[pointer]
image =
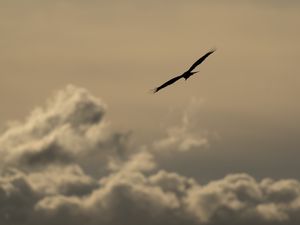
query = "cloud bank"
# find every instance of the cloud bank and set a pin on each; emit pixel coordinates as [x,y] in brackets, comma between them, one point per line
[63,165]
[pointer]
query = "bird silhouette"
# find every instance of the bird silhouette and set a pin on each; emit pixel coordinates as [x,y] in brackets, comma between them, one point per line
[186,74]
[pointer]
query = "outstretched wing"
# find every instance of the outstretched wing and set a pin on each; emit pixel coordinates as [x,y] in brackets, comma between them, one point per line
[169,82]
[199,61]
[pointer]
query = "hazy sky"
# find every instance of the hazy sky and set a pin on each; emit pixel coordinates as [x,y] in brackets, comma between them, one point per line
[239,114]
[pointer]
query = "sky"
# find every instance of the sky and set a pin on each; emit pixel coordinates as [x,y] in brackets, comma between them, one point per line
[83,139]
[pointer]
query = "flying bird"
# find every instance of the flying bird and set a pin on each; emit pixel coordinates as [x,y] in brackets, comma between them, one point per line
[186,74]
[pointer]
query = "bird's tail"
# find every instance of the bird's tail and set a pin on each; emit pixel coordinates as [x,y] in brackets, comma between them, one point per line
[153,91]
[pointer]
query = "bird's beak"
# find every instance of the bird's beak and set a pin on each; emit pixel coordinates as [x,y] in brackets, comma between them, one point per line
[195,72]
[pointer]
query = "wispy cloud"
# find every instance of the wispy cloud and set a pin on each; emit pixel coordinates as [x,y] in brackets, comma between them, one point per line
[183,137]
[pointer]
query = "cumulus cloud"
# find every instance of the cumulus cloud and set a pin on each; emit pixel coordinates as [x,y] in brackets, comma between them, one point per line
[44,177]
[161,198]
[240,199]
[70,128]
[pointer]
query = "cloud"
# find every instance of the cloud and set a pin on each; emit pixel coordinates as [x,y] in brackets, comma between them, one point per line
[183,137]
[45,177]
[70,128]
[126,195]
[240,199]
[168,198]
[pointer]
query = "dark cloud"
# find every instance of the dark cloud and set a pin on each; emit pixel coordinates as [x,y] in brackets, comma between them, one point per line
[46,177]
[50,153]
[17,198]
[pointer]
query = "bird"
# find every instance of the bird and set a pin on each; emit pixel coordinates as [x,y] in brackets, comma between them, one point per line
[186,74]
